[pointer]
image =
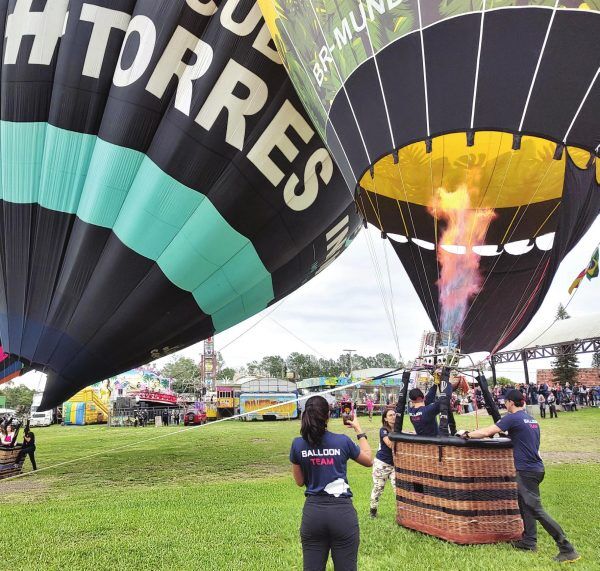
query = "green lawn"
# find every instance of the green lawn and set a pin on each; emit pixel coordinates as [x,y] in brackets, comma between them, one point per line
[221,497]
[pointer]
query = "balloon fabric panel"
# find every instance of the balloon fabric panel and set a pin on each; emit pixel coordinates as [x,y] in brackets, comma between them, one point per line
[143,205]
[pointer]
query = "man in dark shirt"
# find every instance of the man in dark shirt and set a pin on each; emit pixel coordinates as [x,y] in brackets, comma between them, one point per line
[524,431]
[423,410]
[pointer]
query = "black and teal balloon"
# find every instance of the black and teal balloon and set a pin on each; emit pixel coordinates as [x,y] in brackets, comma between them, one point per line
[160,182]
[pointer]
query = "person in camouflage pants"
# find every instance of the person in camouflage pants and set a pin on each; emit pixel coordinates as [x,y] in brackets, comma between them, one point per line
[383,466]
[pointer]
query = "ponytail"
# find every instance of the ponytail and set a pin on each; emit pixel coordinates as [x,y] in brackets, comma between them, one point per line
[314,420]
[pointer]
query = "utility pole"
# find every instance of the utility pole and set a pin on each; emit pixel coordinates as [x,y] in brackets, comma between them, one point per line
[350,351]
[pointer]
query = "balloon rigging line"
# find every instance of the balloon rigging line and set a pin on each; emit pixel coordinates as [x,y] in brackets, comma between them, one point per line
[392,315]
[341,80]
[379,280]
[424,68]
[385,105]
[264,316]
[581,105]
[517,257]
[382,290]
[475,85]
[298,338]
[159,436]
[519,311]
[537,67]
[392,304]
[501,253]
[433,305]
[557,318]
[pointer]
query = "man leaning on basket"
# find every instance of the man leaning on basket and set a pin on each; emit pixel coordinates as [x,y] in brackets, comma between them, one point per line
[524,431]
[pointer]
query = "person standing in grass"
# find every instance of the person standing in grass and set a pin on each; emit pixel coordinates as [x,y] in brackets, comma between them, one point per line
[551,400]
[319,459]
[28,448]
[524,431]
[542,402]
[383,466]
[370,407]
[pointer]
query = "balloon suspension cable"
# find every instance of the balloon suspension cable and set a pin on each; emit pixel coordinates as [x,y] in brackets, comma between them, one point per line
[189,428]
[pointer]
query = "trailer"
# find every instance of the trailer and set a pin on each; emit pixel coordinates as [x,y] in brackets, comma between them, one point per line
[268,399]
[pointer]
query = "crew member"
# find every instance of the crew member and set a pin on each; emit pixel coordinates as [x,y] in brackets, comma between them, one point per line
[423,411]
[383,466]
[28,448]
[524,431]
[319,458]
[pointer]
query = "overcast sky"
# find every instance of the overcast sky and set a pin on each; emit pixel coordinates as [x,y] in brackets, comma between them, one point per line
[342,308]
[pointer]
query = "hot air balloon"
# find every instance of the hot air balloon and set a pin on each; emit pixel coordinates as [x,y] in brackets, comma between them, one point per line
[472,130]
[160,182]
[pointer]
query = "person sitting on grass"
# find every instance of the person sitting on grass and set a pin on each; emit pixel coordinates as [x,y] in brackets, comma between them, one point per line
[524,431]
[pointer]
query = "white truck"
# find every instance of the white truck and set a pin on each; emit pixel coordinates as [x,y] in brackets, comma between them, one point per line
[39,418]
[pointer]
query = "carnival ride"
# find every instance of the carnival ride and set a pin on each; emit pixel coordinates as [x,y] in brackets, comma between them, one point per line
[85,407]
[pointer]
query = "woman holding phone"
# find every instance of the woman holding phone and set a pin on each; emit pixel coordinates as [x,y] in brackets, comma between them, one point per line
[319,459]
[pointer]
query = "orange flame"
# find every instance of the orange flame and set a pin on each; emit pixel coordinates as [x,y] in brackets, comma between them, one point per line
[460,278]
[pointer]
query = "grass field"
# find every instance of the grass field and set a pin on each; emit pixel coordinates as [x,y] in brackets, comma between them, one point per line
[221,497]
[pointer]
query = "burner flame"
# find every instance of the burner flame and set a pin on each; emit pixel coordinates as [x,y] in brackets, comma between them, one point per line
[460,277]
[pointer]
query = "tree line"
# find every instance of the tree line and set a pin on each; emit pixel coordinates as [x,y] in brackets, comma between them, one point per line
[186,373]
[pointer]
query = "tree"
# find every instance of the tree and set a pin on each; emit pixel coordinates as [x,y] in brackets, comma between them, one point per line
[226,373]
[504,381]
[561,313]
[18,397]
[596,360]
[566,366]
[304,366]
[273,366]
[184,373]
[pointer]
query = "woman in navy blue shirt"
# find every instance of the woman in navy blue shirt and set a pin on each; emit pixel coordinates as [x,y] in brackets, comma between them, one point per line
[319,459]
[383,466]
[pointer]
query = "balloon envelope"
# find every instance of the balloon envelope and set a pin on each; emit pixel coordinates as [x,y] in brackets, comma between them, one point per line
[500,100]
[160,182]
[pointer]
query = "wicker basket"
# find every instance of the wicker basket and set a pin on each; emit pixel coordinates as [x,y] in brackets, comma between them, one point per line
[10,463]
[461,491]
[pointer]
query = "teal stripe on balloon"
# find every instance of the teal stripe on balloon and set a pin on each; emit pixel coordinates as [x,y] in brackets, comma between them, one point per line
[151,213]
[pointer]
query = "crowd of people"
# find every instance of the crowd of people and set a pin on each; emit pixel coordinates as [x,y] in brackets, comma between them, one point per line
[548,398]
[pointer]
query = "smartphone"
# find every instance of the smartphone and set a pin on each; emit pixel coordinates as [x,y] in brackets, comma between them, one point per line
[347,415]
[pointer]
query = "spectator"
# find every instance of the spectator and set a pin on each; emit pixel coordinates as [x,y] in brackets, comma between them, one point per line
[7,438]
[551,401]
[542,403]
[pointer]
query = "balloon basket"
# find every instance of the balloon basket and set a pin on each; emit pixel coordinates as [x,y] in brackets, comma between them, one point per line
[458,490]
[10,463]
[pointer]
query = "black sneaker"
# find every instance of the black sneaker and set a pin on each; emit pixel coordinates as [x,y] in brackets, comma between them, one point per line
[567,557]
[373,512]
[522,545]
